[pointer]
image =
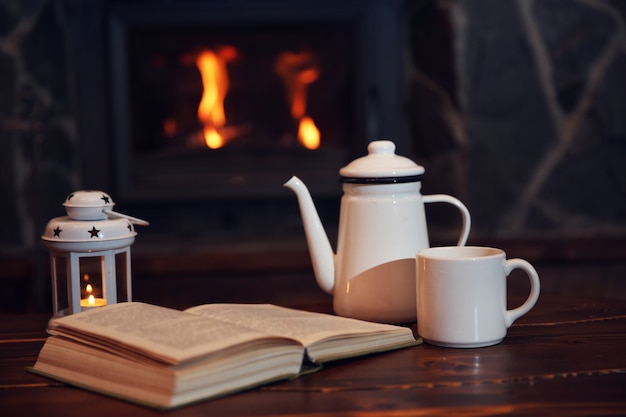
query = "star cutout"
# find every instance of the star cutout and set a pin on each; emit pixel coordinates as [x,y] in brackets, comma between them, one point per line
[57,232]
[130,227]
[106,199]
[94,232]
[69,197]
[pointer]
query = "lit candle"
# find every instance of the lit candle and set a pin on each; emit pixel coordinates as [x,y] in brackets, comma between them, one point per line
[91,301]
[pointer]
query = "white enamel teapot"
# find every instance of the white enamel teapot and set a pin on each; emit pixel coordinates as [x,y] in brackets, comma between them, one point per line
[382,225]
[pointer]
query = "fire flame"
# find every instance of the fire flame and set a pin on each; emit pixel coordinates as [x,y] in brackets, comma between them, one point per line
[215,83]
[298,70]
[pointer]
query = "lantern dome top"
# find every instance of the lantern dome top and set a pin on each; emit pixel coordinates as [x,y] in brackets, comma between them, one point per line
[90,225]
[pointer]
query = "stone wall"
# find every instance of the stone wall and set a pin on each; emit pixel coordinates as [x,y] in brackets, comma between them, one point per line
[543,92]
[39,158]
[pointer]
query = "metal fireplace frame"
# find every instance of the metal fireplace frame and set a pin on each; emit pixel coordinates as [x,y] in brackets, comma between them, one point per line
[379,97]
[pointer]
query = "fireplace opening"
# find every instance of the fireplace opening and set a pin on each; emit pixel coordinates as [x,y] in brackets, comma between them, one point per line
[194,113]
[233,110]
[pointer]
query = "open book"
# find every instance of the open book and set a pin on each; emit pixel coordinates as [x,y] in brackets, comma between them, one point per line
[166,358]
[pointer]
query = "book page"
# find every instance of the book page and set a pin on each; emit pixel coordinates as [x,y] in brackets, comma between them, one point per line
[165,334]
[306,327]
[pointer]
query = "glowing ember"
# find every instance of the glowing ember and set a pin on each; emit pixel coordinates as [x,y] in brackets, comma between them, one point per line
[169,126]
[213,139]
[215,83]
[308,133]
[298,70]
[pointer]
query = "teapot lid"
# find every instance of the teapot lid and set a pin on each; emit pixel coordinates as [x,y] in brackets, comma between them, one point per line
[381,166]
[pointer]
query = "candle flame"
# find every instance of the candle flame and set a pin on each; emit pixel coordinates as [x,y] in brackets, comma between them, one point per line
[91,300]
[89,288]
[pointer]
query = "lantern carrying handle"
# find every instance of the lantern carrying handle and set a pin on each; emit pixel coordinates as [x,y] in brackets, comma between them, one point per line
[132,219]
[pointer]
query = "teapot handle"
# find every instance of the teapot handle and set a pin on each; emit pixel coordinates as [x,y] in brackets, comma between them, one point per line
[444,198]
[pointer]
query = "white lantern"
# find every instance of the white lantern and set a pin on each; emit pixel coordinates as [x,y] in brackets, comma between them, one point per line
[89,253]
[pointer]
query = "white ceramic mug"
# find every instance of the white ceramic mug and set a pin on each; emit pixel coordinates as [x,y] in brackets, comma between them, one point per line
[462,295]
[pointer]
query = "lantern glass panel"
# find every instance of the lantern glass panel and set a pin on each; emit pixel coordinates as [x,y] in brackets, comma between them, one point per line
[91,275]
[121,276]
[59,263]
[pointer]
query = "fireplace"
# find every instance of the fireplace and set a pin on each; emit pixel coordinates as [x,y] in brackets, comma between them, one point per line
[212,105]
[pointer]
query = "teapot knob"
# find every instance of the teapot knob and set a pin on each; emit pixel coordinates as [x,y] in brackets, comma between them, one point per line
[381,147]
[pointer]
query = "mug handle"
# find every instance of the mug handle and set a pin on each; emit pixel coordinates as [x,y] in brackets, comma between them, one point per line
[516,313]
[443,198]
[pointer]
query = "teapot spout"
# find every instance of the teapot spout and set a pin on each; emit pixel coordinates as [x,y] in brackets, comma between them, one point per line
[322,255]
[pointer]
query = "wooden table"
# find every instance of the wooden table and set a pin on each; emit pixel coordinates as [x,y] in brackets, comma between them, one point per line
[566,357]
